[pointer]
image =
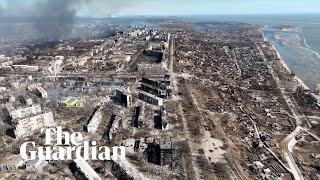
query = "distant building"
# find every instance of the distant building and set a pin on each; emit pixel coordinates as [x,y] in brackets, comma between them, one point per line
[25,68]
[59,58]
[42,93]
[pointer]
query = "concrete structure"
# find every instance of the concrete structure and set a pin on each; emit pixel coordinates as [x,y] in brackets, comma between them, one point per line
[55,67]
[150,98]
[42,93]
[166,151]
[156,88]
[124,97]
[59,58]
[151,68]
[26,126]
[87,170]
[27,100]
[11,163]
[95,120]
[25,68]
[24,111]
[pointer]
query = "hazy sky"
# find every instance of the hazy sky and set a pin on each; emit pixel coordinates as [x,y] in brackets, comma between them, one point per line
[185,7]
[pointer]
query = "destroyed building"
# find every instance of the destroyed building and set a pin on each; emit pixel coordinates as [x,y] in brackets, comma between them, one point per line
[95,120]
[42,93]
[124,97]
[160,119]
[157,88]
[26,120]
[150,98]
[27,126]
[160,151]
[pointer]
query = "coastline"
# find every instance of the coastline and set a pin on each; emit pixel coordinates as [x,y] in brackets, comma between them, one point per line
[284,64]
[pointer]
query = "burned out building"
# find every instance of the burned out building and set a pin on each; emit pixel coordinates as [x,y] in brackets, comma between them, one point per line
[160,151]
[157,88]
[124,97]
[160,120]
[150,98]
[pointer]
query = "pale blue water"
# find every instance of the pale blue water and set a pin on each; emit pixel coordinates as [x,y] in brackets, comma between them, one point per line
[304,59]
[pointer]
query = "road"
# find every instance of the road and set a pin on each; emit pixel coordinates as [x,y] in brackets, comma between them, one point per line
[288,142]
[180,109]
[287,148]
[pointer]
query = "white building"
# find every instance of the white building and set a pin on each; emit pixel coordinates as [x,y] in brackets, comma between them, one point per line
[25,68]
[3,89]
[27,126]
[42,93]
[59,58]
[24,111]
[95,121]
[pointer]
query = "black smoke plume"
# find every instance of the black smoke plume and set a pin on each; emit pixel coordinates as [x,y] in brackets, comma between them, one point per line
[55,18]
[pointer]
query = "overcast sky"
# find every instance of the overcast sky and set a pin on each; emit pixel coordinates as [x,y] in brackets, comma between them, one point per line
[180,7]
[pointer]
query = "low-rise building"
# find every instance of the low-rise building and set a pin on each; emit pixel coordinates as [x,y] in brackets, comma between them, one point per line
[42,93]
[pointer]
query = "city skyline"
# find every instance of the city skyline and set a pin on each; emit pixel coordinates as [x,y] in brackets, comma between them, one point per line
[106,8]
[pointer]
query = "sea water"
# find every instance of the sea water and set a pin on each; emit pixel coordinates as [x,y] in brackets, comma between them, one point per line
[299,47]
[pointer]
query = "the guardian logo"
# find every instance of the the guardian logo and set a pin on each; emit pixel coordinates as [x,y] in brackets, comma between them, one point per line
[68,147]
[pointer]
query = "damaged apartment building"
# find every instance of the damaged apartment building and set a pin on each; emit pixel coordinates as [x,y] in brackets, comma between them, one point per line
[124,97]
[26,120]
[160,151]
[154,91]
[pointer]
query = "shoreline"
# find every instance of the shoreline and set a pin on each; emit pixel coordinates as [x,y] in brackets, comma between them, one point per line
[284,64]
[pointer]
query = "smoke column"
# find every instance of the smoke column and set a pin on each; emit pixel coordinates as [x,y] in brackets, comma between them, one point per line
[54,19]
